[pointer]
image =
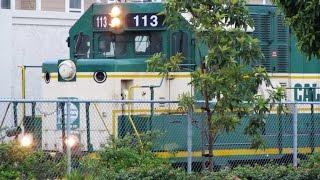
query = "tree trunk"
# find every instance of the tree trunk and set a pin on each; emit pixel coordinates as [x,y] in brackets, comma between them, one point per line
[210,129]
[209,115]
[210,143]
[203,144]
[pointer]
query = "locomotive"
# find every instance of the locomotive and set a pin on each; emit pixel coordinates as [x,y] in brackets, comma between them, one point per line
[109,46]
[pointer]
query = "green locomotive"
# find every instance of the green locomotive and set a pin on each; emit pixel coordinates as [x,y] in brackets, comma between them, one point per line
[109,45]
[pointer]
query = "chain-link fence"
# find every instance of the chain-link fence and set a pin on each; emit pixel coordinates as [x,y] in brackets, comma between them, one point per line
[64,131]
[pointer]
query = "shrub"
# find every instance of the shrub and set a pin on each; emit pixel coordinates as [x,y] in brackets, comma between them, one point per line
[124,159]
[43,165]
[12,164]
[307,170]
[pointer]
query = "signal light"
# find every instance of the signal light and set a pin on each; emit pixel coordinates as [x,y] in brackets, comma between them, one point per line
[115,22]
[115,11]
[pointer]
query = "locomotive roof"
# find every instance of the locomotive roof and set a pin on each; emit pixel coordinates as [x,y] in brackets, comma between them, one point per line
[85,22]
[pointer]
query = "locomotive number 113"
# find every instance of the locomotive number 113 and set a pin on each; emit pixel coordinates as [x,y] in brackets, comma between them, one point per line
[101,21]
[146,20]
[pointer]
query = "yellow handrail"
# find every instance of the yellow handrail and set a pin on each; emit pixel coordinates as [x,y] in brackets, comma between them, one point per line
[129,115]
[129,108]
[100,115]
[23,88]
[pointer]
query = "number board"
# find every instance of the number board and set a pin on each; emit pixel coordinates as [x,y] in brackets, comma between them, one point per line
[101,22]
[144,20]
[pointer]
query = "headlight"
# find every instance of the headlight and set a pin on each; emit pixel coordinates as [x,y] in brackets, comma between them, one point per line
[115,22]
[67,70]
[72,140]
[26,140]
[115,11]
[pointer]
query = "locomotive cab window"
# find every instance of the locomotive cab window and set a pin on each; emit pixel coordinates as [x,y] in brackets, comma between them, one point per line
[180,43]
[111,45]
[147,44]
[142,45]
[81,46]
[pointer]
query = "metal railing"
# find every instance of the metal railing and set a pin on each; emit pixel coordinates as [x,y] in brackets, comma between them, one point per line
[76,128]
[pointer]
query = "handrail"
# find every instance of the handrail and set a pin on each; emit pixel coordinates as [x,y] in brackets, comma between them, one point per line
[129,106]
[100,115]
[130,118]
[23,88]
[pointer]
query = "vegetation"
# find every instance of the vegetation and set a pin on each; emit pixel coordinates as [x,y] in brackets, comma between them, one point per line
[12,157]
[17,161]
[126,161]
[303,17]
[223,74]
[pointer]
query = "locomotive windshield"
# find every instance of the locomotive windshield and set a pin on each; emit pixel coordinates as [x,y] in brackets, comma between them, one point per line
[111,45]
[82,45]
[118,45]
[147,44]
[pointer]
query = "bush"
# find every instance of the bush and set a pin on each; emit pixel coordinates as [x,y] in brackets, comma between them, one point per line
[17,161]
[12,164]
[307,170]
[124,159]
[45,165]
[161,172]
[310,169]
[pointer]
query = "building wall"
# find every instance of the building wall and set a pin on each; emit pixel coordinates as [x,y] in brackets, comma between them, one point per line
[29,38]
[52,5]
[59,5]
[18,4]
[5,55]
[49,5]
[87,4]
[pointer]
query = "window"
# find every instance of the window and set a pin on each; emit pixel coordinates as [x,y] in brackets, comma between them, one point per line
[180,43]
[81,46]
[147,44]
[75,5]
[142,45]
[111,45]
[5,4]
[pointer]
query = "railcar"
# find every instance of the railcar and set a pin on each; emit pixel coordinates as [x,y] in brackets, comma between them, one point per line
[109,45]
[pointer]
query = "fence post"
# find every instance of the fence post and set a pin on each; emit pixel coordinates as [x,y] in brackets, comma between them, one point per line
[189,139]
[15,113]
[89,145]
[68,139]
[295,135]
[63,126]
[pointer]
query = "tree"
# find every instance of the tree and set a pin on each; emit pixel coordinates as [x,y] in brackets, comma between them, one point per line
[223,75]
[304,18]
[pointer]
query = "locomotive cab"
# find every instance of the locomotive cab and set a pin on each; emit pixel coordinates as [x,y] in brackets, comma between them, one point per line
[116,38]
[109,46]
